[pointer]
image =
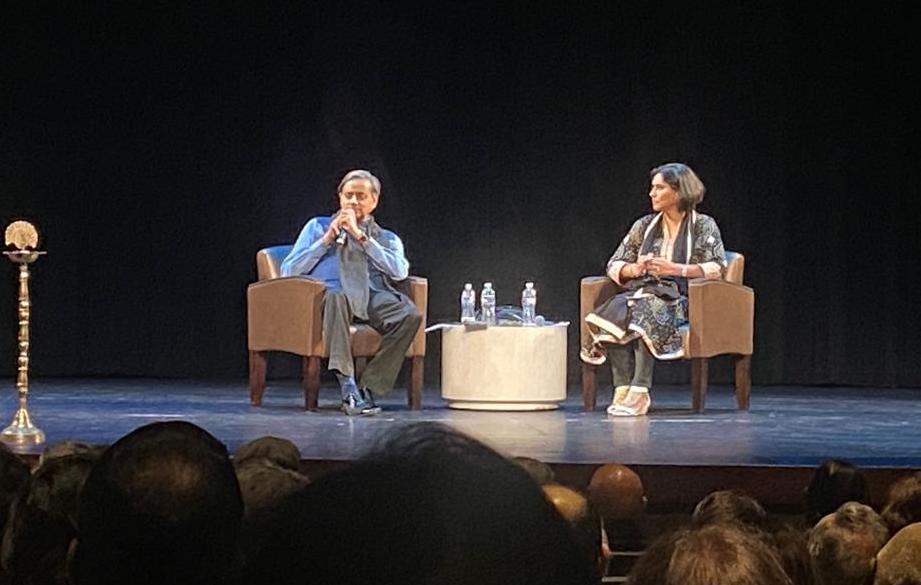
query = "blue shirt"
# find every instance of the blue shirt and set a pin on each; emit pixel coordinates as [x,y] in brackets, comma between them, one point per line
[311,257]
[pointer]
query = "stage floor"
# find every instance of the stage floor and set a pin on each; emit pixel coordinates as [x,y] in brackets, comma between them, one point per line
[786,426]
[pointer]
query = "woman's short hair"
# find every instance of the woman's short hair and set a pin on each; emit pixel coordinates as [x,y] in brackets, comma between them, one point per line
[683,180]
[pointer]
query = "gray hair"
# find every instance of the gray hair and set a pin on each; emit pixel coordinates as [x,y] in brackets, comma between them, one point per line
[681,178]
[360,174]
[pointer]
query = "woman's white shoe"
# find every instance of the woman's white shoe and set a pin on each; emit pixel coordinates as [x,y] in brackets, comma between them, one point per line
[620,393]
[636,403]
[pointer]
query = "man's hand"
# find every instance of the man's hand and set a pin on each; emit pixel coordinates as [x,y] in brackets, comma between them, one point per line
[349,222]
[344,220]
[331,232]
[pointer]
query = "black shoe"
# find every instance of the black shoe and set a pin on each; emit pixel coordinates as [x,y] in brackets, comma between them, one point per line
[355,404]
[369,397]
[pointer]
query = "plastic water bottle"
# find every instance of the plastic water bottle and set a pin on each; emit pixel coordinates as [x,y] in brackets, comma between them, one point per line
[528,304]
[488,303]
[468,304]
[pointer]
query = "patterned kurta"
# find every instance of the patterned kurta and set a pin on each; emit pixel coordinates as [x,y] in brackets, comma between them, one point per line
[651,308]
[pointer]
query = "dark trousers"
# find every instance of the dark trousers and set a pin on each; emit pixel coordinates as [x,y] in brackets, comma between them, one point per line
[396,318]
[631,364]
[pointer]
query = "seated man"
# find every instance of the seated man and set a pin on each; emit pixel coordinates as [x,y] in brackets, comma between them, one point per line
[359,261]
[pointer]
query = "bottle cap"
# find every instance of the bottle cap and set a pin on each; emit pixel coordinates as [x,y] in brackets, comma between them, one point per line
[487,285]
[468,286]
[529,285]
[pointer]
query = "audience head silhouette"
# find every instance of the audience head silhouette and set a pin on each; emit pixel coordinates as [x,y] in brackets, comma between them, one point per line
[43,521]
[834,483]
[64,448]
[705,555]
[161,506]
[903,503]
[538,470]
[585,524]
[281,452]
[899,562]
[792,547]
[617,492]
[731,507]
[14,480]
[427,505]
[843,545]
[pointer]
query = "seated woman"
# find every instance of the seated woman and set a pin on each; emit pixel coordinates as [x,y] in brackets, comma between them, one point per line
[652,265]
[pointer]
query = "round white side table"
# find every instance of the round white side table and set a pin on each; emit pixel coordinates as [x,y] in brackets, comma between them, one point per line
[504,367]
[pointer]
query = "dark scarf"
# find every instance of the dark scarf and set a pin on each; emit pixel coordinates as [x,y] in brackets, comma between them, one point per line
[680,255]
[353,269]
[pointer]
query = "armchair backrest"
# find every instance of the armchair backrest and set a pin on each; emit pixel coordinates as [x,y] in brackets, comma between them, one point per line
[735,267]
[268,261]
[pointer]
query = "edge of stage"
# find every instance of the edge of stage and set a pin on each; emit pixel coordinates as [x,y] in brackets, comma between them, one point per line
[769,450]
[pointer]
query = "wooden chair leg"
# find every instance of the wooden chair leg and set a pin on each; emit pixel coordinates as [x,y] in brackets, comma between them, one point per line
[589,388]
[743,381]
[311,366]
[415,385]
[698,383]
[256,377]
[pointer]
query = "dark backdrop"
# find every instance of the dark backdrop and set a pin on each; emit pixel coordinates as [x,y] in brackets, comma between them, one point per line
[157,149]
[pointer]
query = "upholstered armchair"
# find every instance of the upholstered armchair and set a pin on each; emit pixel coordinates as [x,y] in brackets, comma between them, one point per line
[720,321]
[285,314]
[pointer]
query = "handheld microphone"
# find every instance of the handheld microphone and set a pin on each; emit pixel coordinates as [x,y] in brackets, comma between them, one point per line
[340,239]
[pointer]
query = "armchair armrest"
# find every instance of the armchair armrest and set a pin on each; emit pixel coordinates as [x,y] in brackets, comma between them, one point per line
[285,314]
[594,290]
[721,318]
[419,293]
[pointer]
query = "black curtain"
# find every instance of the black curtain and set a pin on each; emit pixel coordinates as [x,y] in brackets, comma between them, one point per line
[158,148]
